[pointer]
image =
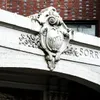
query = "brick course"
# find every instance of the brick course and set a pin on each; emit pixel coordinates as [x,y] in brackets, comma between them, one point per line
[68,9]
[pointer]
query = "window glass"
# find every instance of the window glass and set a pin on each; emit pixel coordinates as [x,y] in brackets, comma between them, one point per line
[86,29]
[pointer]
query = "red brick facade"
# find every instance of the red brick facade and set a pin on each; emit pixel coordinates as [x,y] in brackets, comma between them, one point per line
[68,9]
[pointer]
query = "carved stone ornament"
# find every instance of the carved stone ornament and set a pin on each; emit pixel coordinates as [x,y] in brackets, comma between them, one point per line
[54,35]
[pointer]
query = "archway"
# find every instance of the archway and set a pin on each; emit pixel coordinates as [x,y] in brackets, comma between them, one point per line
[29,84]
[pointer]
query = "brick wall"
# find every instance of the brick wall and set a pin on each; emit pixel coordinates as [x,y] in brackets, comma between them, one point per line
[68,9]
[98,14]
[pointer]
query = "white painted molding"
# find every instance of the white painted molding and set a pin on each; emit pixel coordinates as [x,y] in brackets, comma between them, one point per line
[26,22]
[86,39]
[18,20]
[84,63]
[9,38]
[18,59]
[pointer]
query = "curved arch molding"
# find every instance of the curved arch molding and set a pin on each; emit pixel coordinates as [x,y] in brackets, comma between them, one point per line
[22,45]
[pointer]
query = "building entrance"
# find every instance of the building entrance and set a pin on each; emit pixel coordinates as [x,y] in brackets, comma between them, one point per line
[20,94]
[29,84]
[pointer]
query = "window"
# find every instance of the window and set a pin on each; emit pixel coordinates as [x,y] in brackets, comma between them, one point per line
[25,0]
[86,27]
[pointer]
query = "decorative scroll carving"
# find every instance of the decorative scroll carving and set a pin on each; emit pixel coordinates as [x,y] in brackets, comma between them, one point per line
[79,51]
[71,51]
[29,40]
[54,35]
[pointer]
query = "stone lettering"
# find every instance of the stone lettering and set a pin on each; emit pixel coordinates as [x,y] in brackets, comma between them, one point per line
[82,52]
[96,54]
[86,52]
[91,54]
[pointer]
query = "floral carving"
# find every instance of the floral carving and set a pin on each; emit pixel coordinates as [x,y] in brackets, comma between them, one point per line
[71,51]
[29,40]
